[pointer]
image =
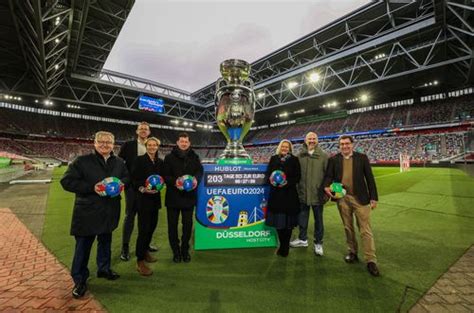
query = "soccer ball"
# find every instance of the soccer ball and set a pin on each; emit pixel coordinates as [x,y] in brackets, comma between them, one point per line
[154,182]
[338,190]
[186,183]
[278,178]
[110,187]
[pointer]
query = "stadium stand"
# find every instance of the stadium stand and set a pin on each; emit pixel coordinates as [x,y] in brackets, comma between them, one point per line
[64,138]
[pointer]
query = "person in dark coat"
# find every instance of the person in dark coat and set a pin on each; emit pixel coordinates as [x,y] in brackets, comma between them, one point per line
[148,202]
[353,170]
[181,161]
[283,201]
[129,152]
[94,215]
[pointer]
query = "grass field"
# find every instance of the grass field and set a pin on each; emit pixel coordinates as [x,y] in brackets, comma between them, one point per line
[424,223]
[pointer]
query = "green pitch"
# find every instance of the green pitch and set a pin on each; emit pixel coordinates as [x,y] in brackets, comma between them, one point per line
[423,224]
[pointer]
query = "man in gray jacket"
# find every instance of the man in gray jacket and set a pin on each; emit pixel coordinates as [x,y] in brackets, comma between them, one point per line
[313,161]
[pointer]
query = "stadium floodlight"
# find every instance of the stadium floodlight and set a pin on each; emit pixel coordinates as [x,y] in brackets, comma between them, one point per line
[291,84]
[185,123]
[261,94]
[364,97]
[435,82]
[314,77]
[284,114]
[36,101]
[56,40]
[191,124]
[56,66]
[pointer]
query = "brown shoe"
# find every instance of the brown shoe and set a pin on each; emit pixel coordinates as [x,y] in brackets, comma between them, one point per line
[373,269]
[149,258]
[143,269]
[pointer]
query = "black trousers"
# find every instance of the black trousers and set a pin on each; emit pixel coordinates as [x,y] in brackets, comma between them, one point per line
[187,222]
[130,212]
[79,270]
[147,221]
[284,236]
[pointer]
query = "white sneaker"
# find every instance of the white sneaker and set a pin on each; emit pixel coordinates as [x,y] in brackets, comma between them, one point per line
[298,243]
[318,249]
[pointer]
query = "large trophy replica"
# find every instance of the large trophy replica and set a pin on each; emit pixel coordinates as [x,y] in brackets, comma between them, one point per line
[235,109]
[232,196]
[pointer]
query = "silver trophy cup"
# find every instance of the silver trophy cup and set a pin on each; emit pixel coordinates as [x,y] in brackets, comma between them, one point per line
[235,106]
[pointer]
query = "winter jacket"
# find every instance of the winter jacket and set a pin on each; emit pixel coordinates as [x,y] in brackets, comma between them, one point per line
[93,214]
[142,168]
[178,163]
[284,199]
[313,168]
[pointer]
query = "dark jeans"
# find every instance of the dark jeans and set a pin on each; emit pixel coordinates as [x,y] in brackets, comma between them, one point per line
[284,236]
[147,221]
[303,218]
[130,212]
[186,220]
[79,270]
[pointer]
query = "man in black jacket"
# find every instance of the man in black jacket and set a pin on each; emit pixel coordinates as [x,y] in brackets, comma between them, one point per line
[353,170]
[93,214]
[181,161]
[129,151]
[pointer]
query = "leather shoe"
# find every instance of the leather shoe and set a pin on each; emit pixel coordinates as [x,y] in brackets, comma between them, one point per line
[186,257]
[373,269]
[109,275]
[143,269]
[79,290]
[152,248]
[351,258]
[177,257]
[281,253]
[149,258]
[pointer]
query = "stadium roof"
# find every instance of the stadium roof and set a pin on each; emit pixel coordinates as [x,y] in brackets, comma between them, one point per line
[386,49]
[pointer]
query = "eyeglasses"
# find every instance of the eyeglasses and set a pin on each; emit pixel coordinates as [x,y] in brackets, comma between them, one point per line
[101,142]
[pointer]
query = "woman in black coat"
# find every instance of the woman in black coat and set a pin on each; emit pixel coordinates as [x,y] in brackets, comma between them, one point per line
[148,202]
[283,202]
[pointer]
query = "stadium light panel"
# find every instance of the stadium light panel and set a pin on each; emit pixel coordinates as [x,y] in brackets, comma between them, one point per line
[260,95]
[291,84]
[364,97]
[314,77]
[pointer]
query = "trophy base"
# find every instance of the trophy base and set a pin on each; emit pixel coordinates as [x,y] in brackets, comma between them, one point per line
[235,161]
[234,154]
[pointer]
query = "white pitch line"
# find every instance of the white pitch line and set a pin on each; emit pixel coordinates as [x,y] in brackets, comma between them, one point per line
[393,174]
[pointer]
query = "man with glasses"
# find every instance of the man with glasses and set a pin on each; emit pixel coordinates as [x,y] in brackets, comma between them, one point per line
[129,151]
[94,215]
[353,170]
